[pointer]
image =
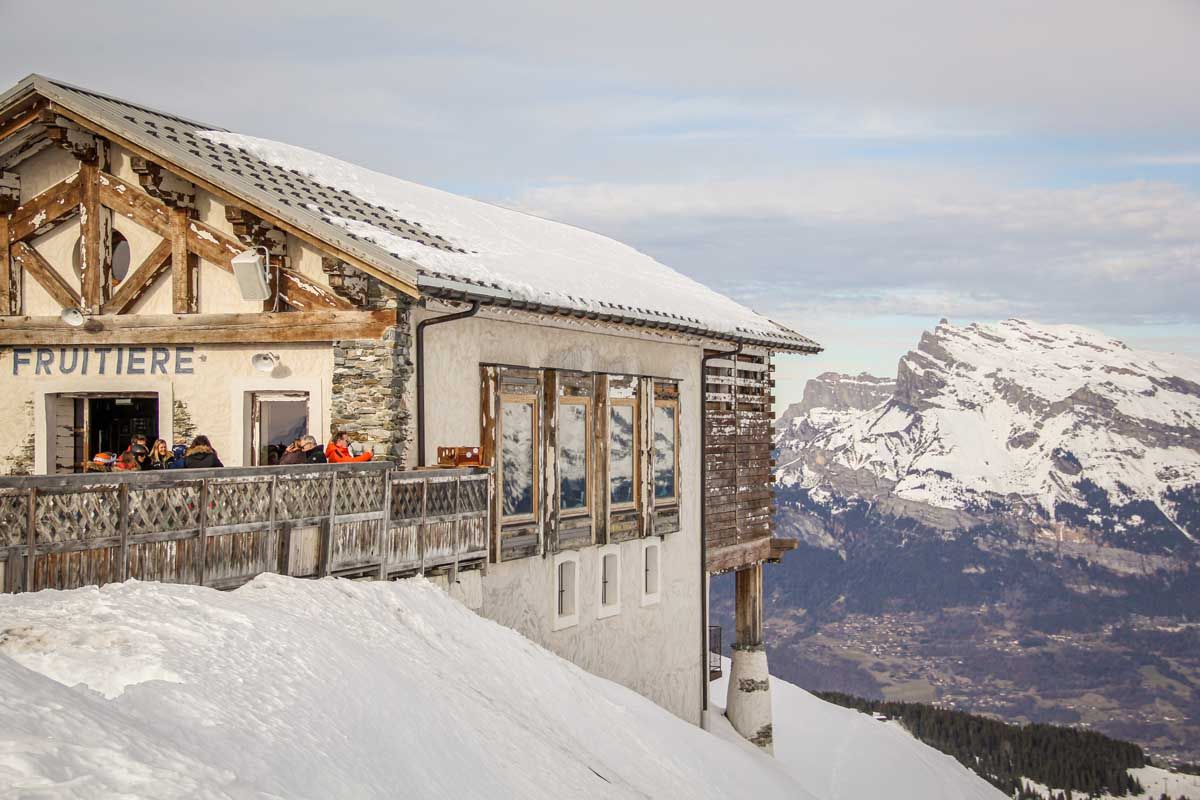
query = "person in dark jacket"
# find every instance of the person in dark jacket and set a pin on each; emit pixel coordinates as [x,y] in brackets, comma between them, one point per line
[201,454]
[160,455]
[313,454]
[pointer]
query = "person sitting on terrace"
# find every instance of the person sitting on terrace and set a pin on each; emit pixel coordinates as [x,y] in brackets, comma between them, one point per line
[160,455]
[201,454]
[141,455]
[294,454]
[126,463]
[304,450]
[338,450]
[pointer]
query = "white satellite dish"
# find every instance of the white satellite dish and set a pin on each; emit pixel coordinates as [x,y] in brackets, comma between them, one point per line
[264,362]
[73,317]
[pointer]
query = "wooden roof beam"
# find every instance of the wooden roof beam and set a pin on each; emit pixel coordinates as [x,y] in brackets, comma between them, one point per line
[231,199]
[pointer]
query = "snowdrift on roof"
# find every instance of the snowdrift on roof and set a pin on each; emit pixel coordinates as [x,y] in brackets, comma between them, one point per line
[534,259]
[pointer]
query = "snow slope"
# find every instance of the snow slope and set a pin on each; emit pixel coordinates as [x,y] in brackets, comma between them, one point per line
[324,689]
[333,688]
[839,754]
[536,259]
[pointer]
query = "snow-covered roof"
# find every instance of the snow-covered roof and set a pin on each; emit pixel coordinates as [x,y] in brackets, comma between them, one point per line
[442,244]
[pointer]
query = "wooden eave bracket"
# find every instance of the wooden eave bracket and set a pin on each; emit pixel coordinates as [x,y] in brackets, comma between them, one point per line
[10,192]
[82,144]
[164,185]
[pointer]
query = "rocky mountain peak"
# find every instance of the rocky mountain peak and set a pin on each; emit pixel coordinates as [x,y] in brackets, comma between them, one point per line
[1047,418]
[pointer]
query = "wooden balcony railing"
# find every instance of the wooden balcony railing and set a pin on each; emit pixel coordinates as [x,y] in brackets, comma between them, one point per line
[221,527]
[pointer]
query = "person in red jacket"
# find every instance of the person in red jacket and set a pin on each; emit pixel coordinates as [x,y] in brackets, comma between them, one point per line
[338,450]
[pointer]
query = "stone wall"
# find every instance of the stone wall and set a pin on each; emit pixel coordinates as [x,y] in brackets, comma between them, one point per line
[369,377]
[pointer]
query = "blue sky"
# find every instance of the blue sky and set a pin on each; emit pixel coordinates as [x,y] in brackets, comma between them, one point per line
[856,170]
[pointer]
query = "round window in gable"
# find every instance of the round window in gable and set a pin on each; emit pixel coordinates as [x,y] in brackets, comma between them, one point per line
[77,257]
[120,258]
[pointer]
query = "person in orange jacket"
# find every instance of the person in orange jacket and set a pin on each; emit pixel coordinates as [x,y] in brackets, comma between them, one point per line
[338,450]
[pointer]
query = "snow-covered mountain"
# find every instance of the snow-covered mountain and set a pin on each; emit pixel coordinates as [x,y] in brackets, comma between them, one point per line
[1064,431]
[335,688]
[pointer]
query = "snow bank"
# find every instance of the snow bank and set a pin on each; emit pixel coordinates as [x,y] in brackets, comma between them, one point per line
[326,689]
[839,754]
[537,260]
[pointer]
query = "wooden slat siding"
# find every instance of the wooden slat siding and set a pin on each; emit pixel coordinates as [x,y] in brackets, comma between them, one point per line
[7,295]
[45,209]
[31,536]
[738,492]
[186,329]
[138,283]
[549,479]
[36,267]
[184,266]
[600,491]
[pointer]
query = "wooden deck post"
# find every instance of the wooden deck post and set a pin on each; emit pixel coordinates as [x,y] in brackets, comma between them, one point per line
[30,539]
[123,517]
[421,524]
[271,513]
[385,526]
[202,544]
[748,611]
[327,532]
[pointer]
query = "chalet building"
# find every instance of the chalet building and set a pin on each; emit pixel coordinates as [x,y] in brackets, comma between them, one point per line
[164,277]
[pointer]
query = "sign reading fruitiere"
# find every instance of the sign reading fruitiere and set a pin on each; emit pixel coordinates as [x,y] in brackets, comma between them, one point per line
[102,360]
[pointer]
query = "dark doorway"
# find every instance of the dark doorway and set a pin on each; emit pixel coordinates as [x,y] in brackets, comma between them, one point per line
[114,421]
[87,424]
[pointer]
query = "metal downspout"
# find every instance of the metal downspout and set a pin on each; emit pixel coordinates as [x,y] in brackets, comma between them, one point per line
[470,312]
[704,513]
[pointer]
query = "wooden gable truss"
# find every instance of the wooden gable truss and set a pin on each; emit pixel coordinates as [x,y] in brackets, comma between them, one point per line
[164,204]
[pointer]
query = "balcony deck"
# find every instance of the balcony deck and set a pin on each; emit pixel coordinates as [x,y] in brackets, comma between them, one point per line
[222,527]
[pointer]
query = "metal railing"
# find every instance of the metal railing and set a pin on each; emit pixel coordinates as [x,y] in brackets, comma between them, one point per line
[221,527]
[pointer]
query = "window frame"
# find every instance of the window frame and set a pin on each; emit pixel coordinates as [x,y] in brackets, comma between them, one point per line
[535,446]
[635,477]
[612,583]
[588,447]
[673,500]
[564,621]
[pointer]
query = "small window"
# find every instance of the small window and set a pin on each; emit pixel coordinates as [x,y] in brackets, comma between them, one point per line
[518,456]
[666,451]
[610,581]
[573,437]
[566,591]
[622,454]
[651,572]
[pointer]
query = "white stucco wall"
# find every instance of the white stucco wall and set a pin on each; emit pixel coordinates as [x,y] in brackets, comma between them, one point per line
[653,649]
[214,395]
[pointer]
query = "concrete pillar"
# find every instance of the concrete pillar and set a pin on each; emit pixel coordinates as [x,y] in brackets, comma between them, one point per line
[748,705]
